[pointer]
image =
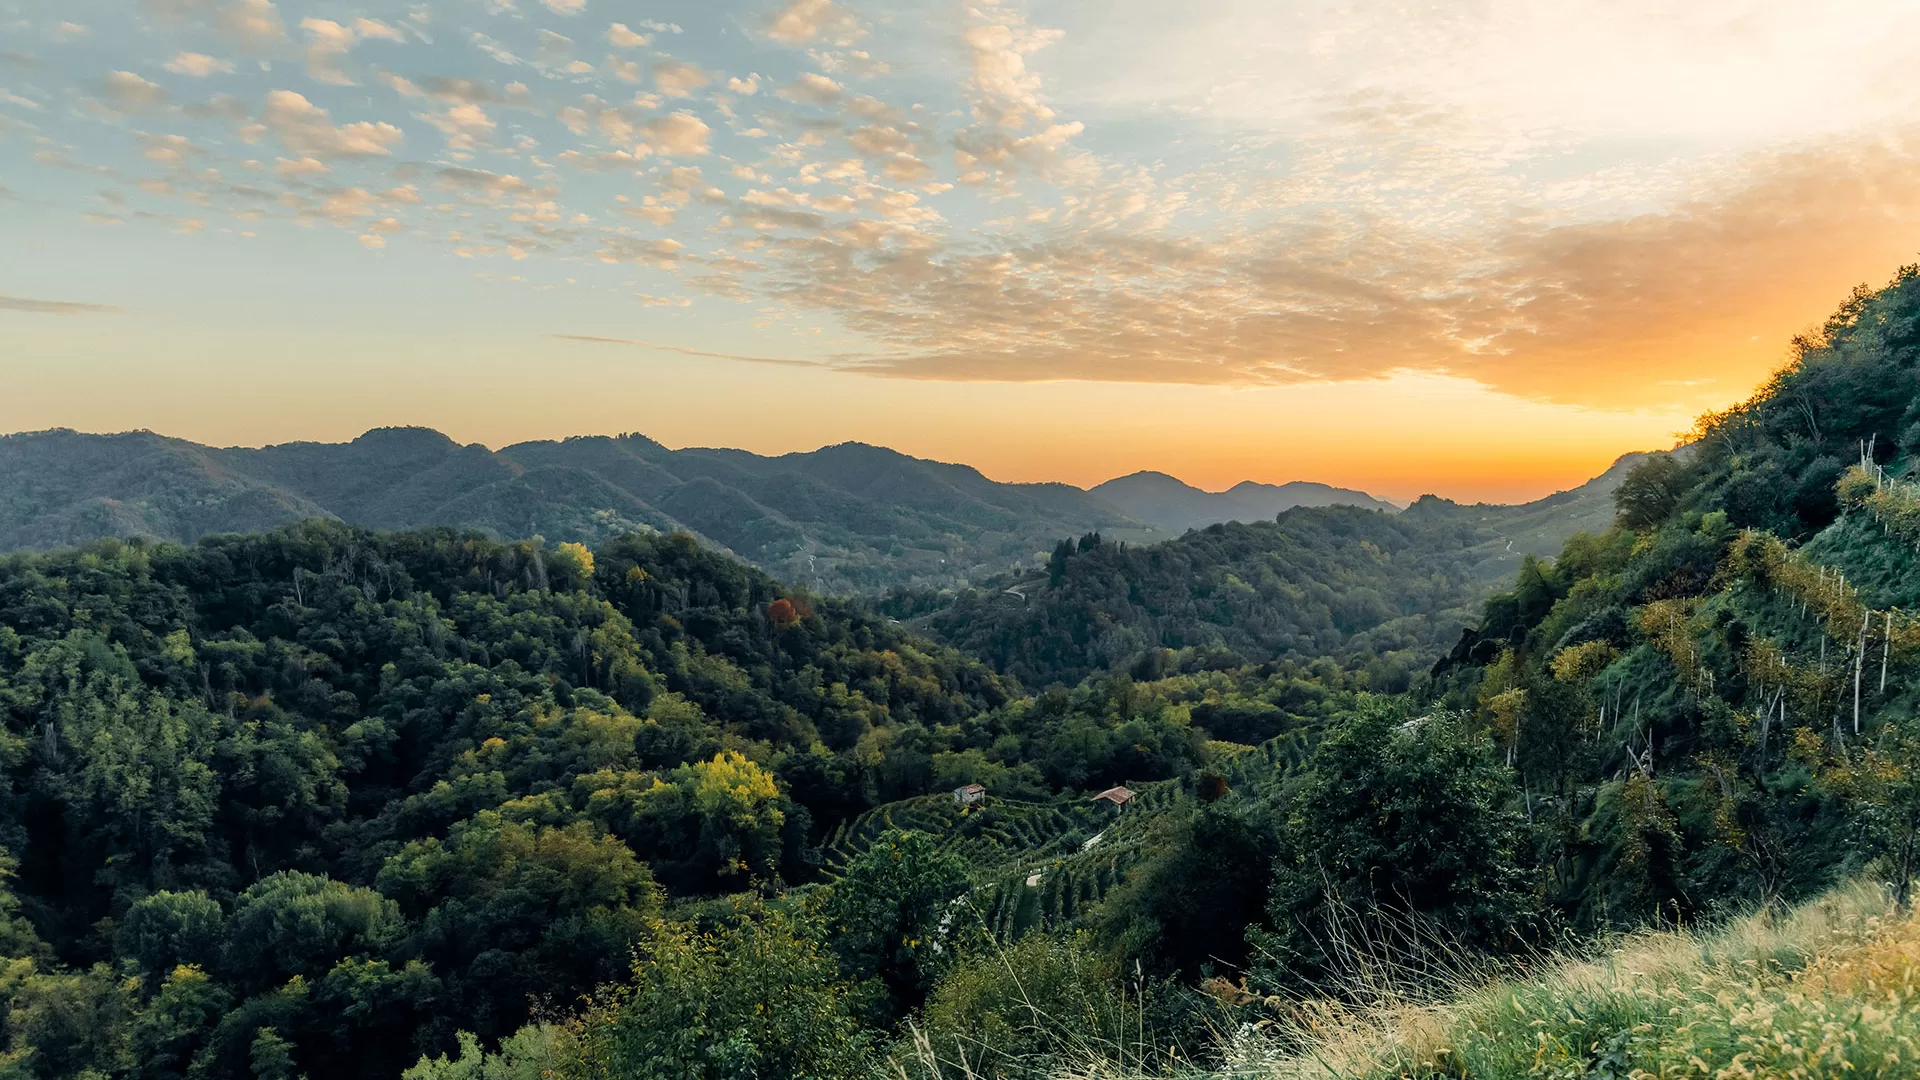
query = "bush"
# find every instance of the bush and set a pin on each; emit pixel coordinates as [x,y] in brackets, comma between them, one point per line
[1029,1011]
[1405,825]
[891,916]
[168,929]
[754,997]
[1187,908]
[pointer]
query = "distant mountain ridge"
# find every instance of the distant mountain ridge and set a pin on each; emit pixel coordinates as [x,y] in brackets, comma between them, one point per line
[1169,503]
[843,518]
[1541,527]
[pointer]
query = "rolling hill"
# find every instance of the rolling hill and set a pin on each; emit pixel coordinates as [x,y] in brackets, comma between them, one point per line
[1390,591]
[1540,527]
[844,518]
[1172,504]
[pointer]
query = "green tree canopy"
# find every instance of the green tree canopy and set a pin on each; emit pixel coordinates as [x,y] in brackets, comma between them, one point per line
[1402,818]
[893,915]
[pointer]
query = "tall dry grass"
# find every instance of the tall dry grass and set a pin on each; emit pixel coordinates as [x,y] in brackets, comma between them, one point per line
[1827,989]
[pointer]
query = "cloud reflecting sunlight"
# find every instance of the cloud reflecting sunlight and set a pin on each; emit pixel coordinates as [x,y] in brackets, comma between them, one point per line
[1616,215]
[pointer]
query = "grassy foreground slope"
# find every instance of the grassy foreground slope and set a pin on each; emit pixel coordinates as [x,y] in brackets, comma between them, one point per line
[1823,989]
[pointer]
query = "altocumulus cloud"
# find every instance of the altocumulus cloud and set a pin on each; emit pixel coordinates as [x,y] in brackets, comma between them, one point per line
[1234,201]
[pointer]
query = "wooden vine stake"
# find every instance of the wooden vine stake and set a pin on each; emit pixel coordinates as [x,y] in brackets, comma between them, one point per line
[1886,648]
[1859,657]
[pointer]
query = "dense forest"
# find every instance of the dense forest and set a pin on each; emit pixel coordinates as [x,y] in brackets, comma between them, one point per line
[353,792]
[321,802]
[1356,585]
[1377,592]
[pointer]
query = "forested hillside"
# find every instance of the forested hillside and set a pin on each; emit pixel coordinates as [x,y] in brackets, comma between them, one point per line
[846,518]
[1714,702]
[427,777]
[1705,707]
[330,796]
[1385,594]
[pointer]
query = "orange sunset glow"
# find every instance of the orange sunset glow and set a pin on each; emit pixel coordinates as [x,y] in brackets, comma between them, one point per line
[1291,244]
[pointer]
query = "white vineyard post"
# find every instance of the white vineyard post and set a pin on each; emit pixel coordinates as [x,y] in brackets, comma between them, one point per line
[1859,657]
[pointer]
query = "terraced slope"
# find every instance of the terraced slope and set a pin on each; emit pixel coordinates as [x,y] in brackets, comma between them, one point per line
[1044,864]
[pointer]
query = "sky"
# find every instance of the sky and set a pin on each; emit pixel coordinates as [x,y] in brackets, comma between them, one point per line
[1478,248]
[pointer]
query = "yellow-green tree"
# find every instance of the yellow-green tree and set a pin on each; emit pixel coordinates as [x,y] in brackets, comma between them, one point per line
[571,565]
[740,816]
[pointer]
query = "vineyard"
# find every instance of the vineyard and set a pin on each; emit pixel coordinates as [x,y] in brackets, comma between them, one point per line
[1044,864]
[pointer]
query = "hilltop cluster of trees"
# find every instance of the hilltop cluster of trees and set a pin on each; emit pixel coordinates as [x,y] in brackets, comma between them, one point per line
[1368,589]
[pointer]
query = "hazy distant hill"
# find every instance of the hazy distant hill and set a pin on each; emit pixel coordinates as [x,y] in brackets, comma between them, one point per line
[1389,592]
[845,518]
[1175,506]
[1541,527]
